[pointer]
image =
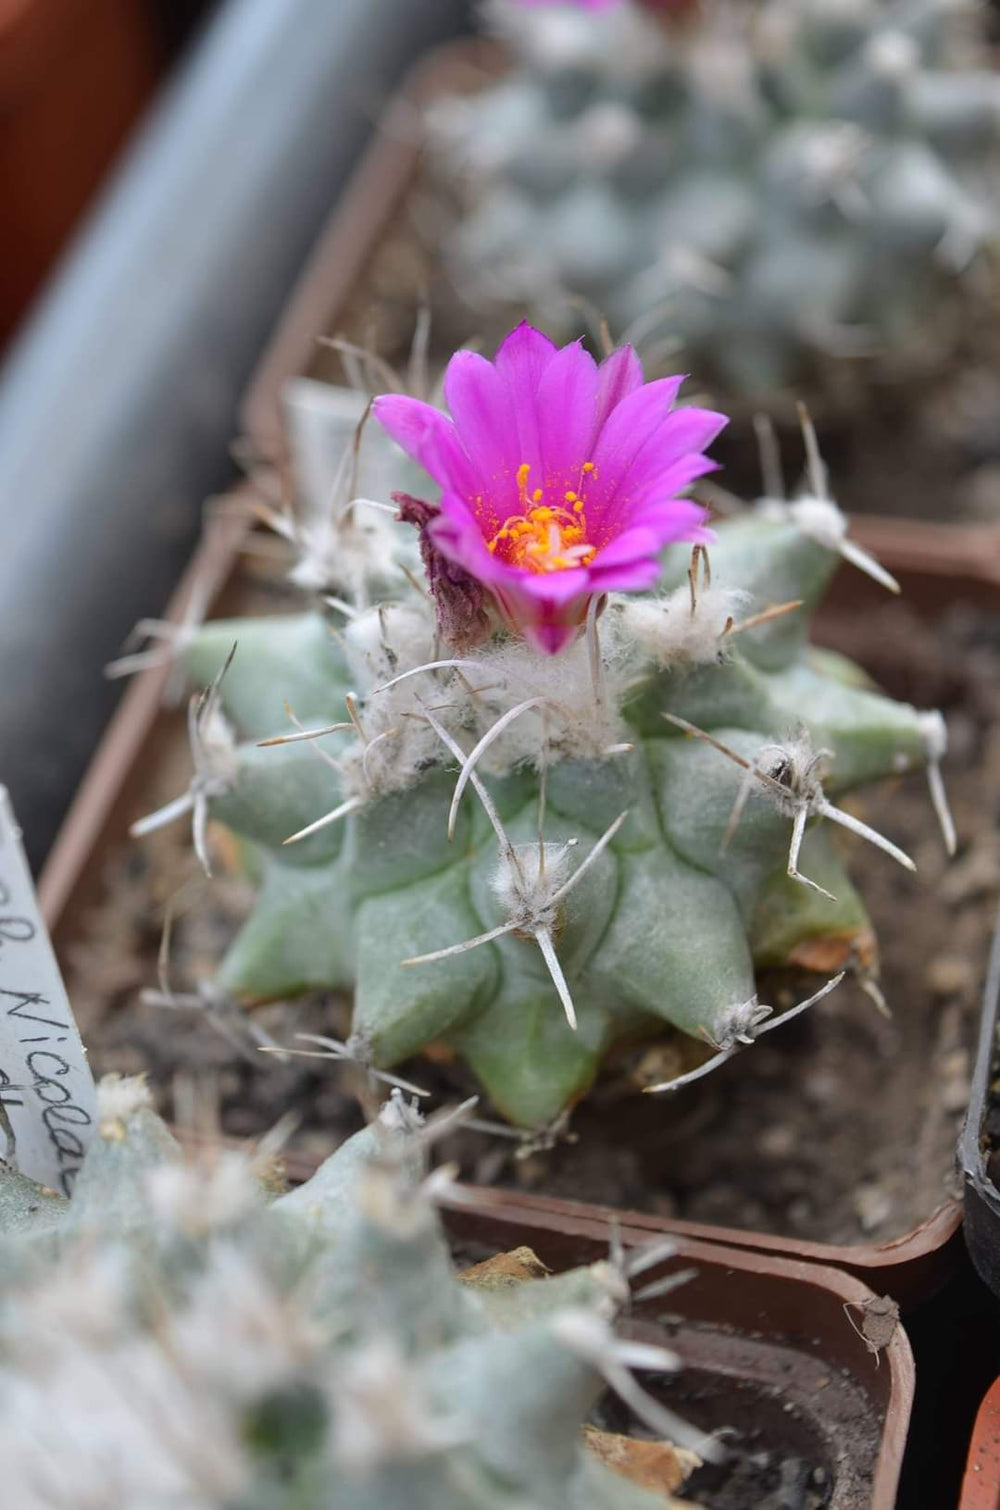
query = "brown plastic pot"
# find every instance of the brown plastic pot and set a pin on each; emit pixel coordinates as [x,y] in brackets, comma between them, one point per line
[911,1268]
[766,1342]
[937,565]
[981,1483]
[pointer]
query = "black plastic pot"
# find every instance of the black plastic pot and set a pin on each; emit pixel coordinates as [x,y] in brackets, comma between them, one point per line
[981,1213]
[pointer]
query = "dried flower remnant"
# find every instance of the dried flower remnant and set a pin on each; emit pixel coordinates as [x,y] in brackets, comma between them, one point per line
[462,619]
[560,477]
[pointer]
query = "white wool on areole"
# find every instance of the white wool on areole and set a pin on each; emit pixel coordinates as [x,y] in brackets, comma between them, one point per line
[525,886]
[672,632]
[574,720]
[119,1097]
[395,744]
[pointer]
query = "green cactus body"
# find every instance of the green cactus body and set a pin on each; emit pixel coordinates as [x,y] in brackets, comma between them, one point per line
[195,1344]
[669,922]
[774,185]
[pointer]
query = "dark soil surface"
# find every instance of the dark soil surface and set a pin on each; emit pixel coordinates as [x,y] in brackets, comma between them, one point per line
[840,1127]
[773,1460]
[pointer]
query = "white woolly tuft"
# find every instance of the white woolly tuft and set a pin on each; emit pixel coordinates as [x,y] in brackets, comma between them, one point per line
[819,518]
[607,134]
[239,1334]
[934,733]
[119,1097]
[398,744]
[200,1199]
[383,642]
[673,634]
[345,554]
[382,1411]
[623,43]
[215,751]
[573,719]
[573,725]
[525,893]
[892,54]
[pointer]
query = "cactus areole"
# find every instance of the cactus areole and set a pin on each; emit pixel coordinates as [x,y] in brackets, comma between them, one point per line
[587,785]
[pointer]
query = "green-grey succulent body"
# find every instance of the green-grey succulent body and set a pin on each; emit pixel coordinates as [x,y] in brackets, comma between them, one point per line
[175,1337]
[775,185]
[678,908]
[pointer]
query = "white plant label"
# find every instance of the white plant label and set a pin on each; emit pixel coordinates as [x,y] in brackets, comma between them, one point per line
[47,1095]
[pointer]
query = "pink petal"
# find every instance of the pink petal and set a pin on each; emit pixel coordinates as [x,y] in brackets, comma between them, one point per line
[666,485]
[618,375]
[674,519]
[428,436]
[683,432]
[628,576]
[521,361]
[479,401]
[633,544]
[566,398]
[551,587]
[549,624]
[551,636]
[457,534]
[625,434]
[526,351]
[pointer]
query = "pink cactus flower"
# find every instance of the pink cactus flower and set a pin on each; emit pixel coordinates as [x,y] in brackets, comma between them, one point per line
[559,477]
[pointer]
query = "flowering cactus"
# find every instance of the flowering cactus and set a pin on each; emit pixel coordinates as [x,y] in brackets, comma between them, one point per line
[772,186]
[558,477]
[641,771]
[175,1335]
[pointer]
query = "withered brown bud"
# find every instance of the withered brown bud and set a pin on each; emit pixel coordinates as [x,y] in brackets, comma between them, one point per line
[462,614]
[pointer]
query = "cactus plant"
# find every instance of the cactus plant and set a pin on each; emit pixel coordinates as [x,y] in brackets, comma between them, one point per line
[594,872]
[175,1336]
[777,184]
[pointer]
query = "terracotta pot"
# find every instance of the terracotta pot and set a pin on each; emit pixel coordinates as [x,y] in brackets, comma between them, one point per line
[981,1483]
[74,76]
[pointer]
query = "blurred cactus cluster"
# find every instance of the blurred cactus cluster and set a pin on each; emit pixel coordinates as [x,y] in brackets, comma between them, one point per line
[773,184]
[183,1334]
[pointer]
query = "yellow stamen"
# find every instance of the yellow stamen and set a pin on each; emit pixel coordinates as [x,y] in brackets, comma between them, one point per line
[546,537]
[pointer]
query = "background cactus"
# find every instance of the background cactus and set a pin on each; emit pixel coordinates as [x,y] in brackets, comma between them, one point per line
[776,185]
[643,906]
[175,1336]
